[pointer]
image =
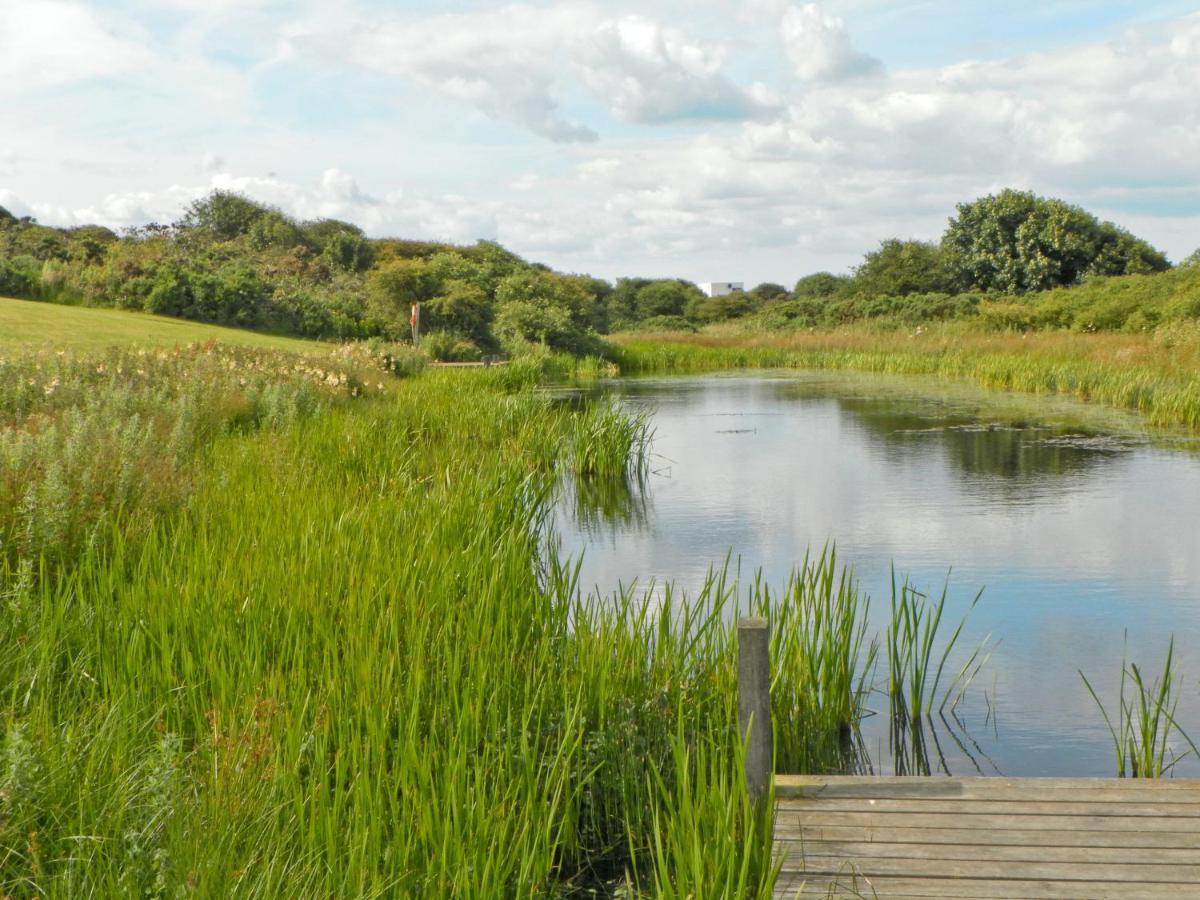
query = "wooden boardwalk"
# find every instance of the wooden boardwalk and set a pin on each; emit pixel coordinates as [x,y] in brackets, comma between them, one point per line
[988,837]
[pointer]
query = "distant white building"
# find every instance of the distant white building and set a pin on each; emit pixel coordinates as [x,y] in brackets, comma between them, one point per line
[721,288]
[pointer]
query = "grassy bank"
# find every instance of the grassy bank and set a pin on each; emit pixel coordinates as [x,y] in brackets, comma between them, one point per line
[1156,374]
[30,325]
[329,655]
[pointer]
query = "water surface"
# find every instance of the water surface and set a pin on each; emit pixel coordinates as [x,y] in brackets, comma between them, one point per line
[1080,527]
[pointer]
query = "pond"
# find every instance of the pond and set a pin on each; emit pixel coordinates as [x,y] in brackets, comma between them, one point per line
[1080,527]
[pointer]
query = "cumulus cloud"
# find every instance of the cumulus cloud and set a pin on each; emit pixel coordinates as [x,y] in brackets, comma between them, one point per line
[819,45]
[49,42]
[515,63]
[649,73]
[810,182]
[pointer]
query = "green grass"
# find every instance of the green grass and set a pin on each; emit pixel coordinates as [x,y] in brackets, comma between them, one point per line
[30,325]
[332,652]
[340,663]
[1157,375]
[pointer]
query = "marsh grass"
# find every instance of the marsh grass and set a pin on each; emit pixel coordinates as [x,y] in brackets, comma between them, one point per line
[1145,726]
[87,441]
[1156,374]
[611,444]
[342,662]
[344,668]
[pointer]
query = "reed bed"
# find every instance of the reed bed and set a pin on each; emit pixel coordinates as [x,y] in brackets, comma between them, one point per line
[343,662]
[1156,374]
[345,668]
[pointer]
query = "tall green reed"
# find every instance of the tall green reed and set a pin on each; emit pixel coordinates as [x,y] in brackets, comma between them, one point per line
[347,666]
[1145,724]
[1164,391]
[917,655]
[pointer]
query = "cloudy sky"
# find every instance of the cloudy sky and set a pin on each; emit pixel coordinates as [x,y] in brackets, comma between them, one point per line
[713,139]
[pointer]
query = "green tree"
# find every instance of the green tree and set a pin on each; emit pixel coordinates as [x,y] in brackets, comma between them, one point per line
[621,303]
[901,267]
[549,289]
[520,321]
[768,291]
[393,287]
[720,309]
[341,245]
[450,265]
[666,297]
[463,309]
[274,229]
[89,243]
[224,215]
[1016,241]
[820,284]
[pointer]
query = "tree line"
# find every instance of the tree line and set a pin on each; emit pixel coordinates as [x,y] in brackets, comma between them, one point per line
[232,260]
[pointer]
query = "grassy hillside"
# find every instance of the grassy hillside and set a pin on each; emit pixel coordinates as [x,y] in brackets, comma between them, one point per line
[29,325]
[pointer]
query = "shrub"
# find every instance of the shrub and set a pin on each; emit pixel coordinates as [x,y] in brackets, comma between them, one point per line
[446,346]
[664,323]
[19,277]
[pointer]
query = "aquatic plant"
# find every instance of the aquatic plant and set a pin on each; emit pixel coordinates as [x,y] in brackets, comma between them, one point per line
[1156,375]
[915,667]
[1145,724]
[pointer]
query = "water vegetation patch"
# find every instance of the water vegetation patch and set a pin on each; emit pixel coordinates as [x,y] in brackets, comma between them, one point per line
[1156,376]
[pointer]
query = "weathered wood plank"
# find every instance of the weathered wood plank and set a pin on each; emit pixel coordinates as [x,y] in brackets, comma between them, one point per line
[988,837]
[1027,870]
[998,836]
[881,820]
[987,852]
[964,807]
[892,888]
[974,787]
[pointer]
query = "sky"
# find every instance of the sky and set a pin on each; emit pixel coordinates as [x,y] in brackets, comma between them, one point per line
[715,140]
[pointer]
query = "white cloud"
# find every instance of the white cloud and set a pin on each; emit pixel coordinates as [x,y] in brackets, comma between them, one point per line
[49,42]
[648,73]
[819,46]
[514,65]
[811,183]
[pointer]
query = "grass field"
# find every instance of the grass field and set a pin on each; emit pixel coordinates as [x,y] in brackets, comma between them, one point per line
[29,325]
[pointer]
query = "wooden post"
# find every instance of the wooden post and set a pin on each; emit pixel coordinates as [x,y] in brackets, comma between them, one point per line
[754,703]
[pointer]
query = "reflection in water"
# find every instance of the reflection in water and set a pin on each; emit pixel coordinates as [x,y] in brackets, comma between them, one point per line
[1078,525]
[609,505]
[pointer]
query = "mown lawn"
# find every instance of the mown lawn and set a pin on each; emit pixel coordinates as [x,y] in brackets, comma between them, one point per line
[29,325]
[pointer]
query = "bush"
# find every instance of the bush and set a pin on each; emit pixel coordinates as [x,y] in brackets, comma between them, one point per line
[20,277]
[446,346]
[664,323]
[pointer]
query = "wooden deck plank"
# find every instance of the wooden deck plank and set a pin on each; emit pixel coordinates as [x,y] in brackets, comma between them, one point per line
[1165,790]
[967,822]
[964,807]
[890,888]
[986,852]
[980,837]
[998,836]
[1028,870]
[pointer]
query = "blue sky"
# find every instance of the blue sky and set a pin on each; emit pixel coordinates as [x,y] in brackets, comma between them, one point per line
[711,139]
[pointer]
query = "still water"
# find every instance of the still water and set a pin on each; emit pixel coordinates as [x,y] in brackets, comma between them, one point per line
[1081,528]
